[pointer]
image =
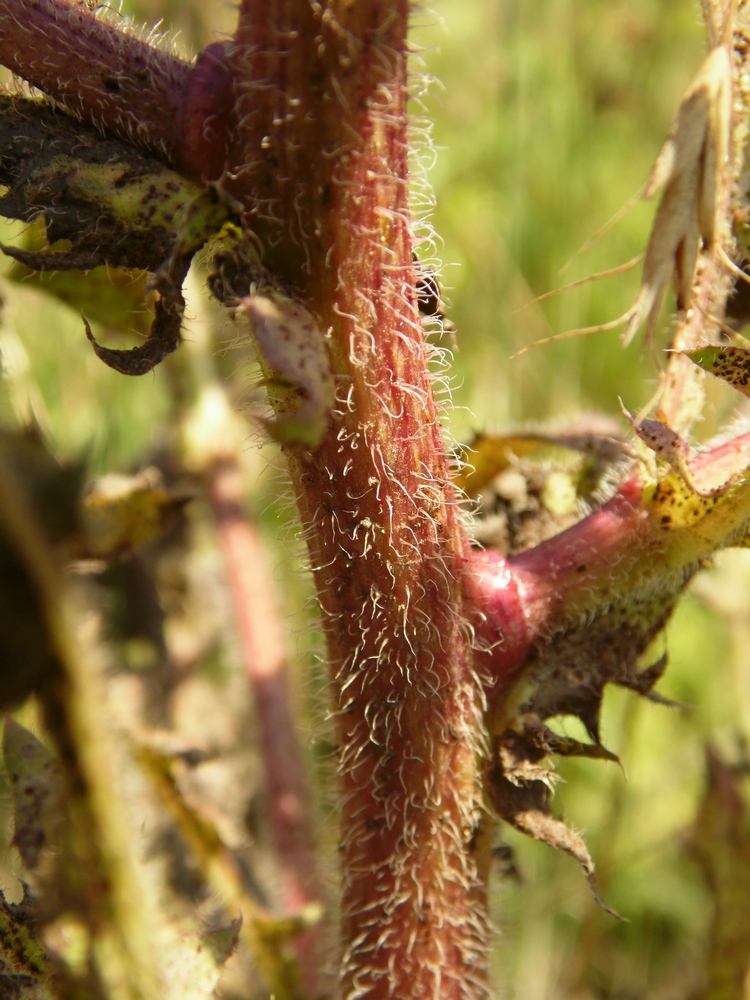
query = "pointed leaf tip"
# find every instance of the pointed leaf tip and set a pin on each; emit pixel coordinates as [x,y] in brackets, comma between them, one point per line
[731,364]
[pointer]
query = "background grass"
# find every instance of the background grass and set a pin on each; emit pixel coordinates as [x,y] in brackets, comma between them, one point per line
[547,119]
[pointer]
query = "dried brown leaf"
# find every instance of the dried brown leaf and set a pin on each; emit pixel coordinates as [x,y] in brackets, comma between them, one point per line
[688,173]
[520,794]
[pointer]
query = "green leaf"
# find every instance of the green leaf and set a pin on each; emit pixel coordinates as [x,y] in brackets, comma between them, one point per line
[36,779]
[732,364]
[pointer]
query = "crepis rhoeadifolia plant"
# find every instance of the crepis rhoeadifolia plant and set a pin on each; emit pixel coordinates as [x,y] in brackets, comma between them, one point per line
[282,157]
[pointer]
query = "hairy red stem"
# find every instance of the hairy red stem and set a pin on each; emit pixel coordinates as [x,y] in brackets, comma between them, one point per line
[570,573]
[321,91]
[504,633]
[104,73]
[725,459]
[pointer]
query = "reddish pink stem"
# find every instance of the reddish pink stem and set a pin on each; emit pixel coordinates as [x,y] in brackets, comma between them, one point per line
[522,598]
[502,630]
[320,159]
[108,76]
[725,460]
[562,574]
[257,614]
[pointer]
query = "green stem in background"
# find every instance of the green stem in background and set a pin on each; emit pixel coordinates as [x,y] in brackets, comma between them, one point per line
[103,878]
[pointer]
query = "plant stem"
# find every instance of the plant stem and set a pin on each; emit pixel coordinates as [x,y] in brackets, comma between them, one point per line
[101,871]
[264,658]
[389,554]
[98,72]
[106,73]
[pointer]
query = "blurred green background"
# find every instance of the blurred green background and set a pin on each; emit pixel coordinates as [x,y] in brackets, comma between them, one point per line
[547,118]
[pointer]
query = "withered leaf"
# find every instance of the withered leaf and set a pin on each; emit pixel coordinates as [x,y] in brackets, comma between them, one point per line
[524,802]
[24,971]
[688,173]
[163,339]
[567,674]
[48,157]
[120,513]
[115,206]
[164,336]
[566,746]
[115,297]
[587,454]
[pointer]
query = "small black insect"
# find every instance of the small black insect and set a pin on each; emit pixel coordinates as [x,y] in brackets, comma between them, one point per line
[429,299]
